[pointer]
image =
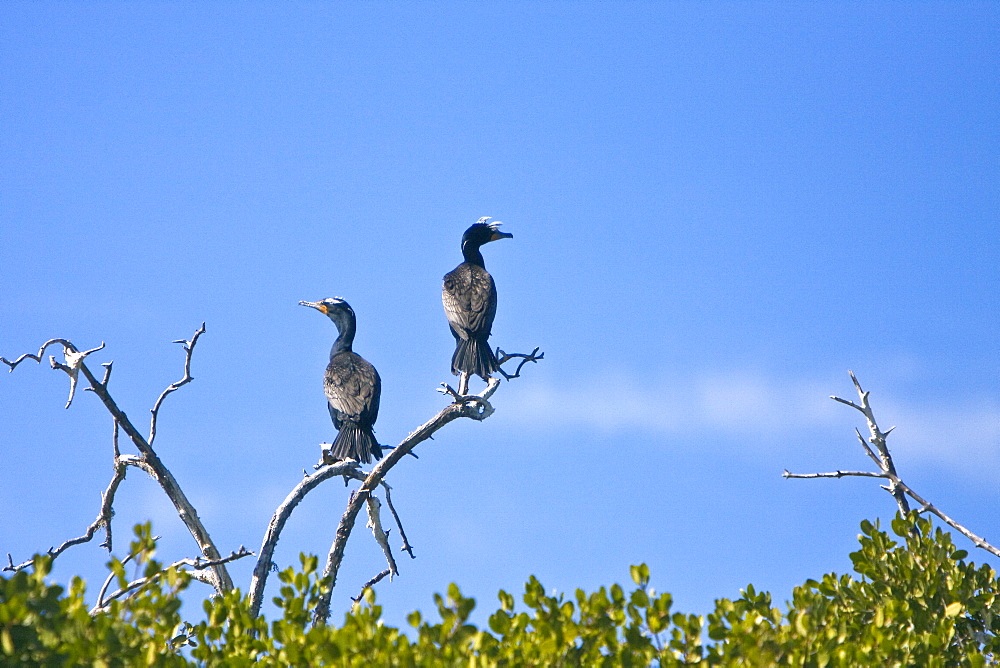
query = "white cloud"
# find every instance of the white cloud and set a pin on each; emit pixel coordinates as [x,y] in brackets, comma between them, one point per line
[961,434]
[734,403]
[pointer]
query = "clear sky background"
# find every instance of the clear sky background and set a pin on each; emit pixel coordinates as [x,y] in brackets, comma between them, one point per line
[718,209]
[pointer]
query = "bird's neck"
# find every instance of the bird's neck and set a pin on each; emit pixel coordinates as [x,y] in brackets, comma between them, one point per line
[472,254]
[344,341]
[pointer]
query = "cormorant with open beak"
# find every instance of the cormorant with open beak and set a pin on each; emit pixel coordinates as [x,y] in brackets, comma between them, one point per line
[470,302]
[353,388]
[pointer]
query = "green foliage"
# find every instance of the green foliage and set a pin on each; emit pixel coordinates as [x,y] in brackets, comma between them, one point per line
[916,602]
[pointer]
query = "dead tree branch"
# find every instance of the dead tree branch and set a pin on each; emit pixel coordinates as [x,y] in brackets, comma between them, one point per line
[502,357]
[195,570]
[877,438]
[406,547]
[887,471]
[475,407]
[347,468]
[188,352]
[381,536]
[103,519]
[147,459]
[835,474]
[371,583]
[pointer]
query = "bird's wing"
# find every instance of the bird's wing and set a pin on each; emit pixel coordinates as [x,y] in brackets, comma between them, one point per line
[353,387]
[470,300]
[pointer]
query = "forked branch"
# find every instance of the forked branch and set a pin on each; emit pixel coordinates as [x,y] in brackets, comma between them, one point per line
[887,470]
[502,357]
[195,568]
[475,407]
[147,459]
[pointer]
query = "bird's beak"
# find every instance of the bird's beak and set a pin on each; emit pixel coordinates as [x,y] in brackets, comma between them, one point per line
[501,235]
[316,305]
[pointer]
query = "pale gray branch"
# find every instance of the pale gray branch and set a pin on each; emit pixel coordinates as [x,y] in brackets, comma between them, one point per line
[476,407]
[103,519]
[931,508]
[381,536]
[834,474]
[877,439]
[74,359]
[150,462]
[280,517]
[41,351]
[188,352]
[883,460]
[196,566]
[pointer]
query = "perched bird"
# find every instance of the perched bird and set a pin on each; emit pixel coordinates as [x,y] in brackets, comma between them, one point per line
[353,388]
[470,302]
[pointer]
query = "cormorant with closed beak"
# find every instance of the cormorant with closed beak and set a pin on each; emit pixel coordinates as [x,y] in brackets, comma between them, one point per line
[353,388]
[470,302]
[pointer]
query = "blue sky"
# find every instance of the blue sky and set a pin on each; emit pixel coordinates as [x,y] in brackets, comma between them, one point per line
[717,209]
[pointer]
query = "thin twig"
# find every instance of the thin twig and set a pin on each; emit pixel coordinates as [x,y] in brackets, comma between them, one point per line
[111,575]
[41,351]
[197,564]
[877,439]
[103,519]
[399,525]
[188,352]
[502,357]
[834,474]
[931,508]
[371,583]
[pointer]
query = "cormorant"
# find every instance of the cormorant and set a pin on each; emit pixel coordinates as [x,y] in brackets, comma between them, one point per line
[353,388]
[470,302]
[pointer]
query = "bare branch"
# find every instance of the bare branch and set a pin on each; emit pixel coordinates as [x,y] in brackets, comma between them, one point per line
[476,407]
[868,450]
[883,460]
[74,360]
[188,352]
[103,519]
[150,462]
[931,508]
[107,375]
[41,351]
[371,583]
[399,525]
[835,474]
[196,565]
[502,357]
[280,517]
[877,439]
[381,536]
[111,576]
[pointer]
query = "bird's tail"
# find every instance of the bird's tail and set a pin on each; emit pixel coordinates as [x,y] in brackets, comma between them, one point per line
[474,356]
[355,442]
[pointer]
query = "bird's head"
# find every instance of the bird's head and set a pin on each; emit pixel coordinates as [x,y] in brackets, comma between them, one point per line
[483,232]
[333,307]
